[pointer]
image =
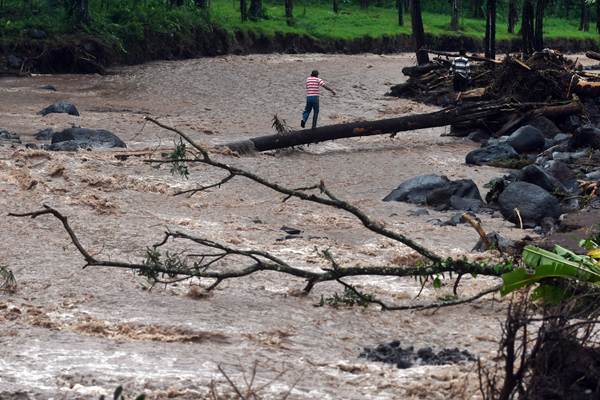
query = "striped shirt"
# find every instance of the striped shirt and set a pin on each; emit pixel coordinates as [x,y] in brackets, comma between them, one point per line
[313,85]
[460,66]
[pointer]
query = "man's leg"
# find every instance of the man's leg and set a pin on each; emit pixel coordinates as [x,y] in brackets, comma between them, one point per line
[315,112]
[306,112]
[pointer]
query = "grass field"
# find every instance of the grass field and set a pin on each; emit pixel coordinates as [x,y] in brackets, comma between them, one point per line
[352,22]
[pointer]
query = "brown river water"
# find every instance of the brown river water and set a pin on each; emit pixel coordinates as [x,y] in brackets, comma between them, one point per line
[73,333]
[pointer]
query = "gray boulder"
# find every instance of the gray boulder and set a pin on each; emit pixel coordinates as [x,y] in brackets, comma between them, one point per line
[489,154]
[44,134]
[565,175]
[438,192]
[8,137]
[415,190]
[586,136]
[86,138]
[533,203]
[547,127]
[527,139]
[479,135]
[60,107]
[538,176]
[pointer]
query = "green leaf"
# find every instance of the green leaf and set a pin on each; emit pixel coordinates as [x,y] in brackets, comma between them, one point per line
[549,294]
[546,264]
[141,397]
[437,282]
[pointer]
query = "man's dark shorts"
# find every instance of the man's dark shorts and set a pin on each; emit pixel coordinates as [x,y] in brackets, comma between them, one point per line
[460,83]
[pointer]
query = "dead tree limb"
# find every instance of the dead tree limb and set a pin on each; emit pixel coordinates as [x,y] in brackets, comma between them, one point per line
[157,266]
[212,261]
[464,115]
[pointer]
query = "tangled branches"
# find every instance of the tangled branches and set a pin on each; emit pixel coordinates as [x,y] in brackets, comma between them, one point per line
[214,260]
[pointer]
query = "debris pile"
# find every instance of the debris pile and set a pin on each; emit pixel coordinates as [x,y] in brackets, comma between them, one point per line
[555,154]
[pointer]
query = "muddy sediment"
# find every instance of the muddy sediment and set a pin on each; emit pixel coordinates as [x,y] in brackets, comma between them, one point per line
[73,333]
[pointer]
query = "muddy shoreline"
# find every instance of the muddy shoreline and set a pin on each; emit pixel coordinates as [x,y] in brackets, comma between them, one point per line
[83,53]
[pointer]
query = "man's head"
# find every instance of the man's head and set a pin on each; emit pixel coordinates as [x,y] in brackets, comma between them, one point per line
[462,52]
[314,73]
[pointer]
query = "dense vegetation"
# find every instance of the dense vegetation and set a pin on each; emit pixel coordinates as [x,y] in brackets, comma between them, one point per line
[126,19]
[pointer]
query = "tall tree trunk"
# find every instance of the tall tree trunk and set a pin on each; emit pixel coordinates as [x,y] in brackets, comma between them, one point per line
[336,6]
[176,3]
[513,15]
[255,11]
[418,32]
[598,16]
[243,10]
[538,32]
[584,17]
[289,11]
[81,11]
[477,8]
[202,4]
[400,8]
[454,14]
[364,4]
[490,30]
[527,28]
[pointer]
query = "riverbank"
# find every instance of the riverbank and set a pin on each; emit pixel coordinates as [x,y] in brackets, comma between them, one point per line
[137,36]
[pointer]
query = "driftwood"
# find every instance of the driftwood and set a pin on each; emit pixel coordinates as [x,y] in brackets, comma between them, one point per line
[470,57]
[468,115]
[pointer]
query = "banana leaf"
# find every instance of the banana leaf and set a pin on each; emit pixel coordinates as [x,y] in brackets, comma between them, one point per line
[546,264]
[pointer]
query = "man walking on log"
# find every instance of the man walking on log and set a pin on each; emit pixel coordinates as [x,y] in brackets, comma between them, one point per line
[313,86]
[462,73]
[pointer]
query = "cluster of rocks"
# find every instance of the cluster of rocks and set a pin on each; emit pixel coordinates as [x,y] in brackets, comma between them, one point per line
[70,139]
[544,186]
[393,353]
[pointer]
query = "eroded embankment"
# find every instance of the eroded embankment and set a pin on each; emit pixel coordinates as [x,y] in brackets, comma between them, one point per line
[84,53]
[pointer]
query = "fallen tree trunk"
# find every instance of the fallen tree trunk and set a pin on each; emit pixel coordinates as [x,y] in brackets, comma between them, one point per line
[466,115]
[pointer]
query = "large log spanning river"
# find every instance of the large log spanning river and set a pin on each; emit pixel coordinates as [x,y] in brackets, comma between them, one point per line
[73,333]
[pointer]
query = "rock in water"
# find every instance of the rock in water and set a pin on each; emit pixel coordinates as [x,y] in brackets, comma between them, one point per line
[586,136]
[538,176]
[44,134]
[85,138]
[489,154]
[533,203]
[438,191]
[547,127]
[527,139]
[8,137]
[415,189]
[60,107]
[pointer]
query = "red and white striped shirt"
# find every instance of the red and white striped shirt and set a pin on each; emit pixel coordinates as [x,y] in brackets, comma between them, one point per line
[313,85]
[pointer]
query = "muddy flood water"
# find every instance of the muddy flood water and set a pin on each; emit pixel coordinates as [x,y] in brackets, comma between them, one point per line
[73,333]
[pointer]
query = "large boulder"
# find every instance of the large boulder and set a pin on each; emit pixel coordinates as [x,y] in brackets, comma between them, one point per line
[533,202]
[44,134]
[565,175]
[490,154]
[586,136]
[547,127]
[438,191]
[61,107]
[415,190]
[85,138]
[527,139]
[538,176]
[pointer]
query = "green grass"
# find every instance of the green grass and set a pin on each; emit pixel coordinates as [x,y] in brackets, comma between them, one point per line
[123,22]
[320,21]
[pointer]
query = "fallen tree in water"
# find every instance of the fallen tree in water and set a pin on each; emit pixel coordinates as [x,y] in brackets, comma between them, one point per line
[468,115]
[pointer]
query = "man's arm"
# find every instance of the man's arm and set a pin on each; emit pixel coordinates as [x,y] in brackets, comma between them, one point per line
[328,88]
